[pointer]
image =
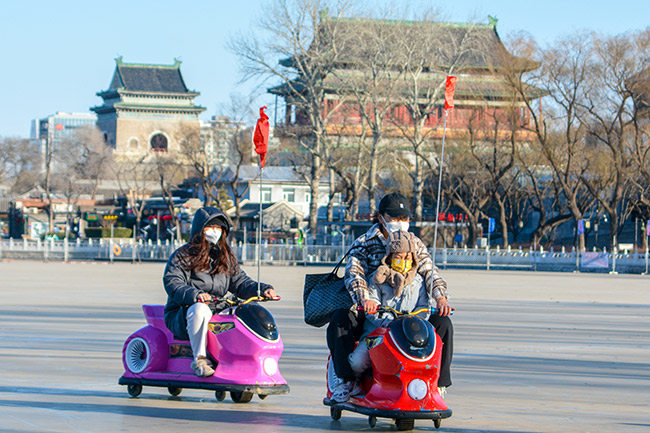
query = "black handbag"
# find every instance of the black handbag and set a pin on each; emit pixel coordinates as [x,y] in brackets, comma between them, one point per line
[323,294]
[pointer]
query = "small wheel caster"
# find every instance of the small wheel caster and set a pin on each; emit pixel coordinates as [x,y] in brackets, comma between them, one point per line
[405,424]
[174,390]
[134,390]
[262,396]
[241,396]
[220,395]
[335,413]
[436,423]
[372,421]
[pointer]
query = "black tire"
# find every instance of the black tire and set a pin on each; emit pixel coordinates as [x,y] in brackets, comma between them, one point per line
[262,396]
[220,395]
[372,421]
[405,424]
[335,413]
[436,423]
[174,390]
[134,390]
[241,396]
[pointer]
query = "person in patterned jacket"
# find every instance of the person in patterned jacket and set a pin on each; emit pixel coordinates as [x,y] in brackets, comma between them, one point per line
[366,253]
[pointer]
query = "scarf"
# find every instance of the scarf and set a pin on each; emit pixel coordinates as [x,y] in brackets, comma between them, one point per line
[397,280]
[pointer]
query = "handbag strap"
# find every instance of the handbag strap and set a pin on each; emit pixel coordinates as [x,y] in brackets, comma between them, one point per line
[338,265]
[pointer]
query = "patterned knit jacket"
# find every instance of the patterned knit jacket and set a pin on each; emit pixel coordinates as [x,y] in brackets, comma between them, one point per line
[365,257]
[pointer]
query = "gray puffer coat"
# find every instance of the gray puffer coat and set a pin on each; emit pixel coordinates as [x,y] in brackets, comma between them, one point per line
[183,286]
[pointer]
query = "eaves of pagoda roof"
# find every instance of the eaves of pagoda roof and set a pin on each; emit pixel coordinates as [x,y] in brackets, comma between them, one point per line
[126,92]
[286,89]
[121,106]
[484,51]
[486,86]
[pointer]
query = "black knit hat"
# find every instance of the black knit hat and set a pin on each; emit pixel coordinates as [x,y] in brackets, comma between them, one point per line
[395,204]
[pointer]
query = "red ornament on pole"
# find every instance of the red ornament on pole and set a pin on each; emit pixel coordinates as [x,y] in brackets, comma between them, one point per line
[58,126]
[450,89]
[261,136]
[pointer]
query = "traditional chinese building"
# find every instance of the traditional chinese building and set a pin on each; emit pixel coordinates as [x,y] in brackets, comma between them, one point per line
[483,97]
[147,108]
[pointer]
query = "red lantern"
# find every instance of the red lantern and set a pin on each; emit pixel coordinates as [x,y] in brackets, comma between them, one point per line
[58,126]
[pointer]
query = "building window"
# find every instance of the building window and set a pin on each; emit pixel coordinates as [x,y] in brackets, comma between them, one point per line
[134,143]
[266,195]
[289,194]
[159,143]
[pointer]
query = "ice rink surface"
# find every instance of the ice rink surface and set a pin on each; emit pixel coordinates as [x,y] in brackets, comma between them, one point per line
[534,352]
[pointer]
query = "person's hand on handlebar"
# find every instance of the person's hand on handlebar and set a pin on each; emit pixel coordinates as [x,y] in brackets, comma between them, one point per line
[369,306]
[443,307]
[204,297]
[270,294]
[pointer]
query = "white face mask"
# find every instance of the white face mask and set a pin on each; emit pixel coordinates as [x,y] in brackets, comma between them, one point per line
[394,226]
[212,235]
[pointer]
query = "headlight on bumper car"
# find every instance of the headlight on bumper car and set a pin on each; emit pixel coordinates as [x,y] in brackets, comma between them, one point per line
[417,389]
[270,366]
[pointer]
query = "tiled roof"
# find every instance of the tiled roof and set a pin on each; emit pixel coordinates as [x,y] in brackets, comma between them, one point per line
[271,174]
[482,55]
[148,78]
[480,44]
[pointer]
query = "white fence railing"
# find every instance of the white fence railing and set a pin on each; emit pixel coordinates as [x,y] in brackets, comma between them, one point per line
[284,254]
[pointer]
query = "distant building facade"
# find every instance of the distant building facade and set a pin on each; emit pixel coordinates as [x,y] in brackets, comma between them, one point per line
[221,135]
[278,183]
[218,137]
[56,128]
[147,108]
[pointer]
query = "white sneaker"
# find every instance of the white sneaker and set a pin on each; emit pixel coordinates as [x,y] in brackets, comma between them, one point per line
[442,390]
[356,389]
[202,367]
[342,392]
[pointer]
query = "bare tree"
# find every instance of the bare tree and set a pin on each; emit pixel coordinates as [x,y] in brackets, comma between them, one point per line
[239,111]
[305,34]
[639,87]
[19,163]
[607,112]
[208,167]
[465,186]
[135,180]
[91,157]
[430,51]
[372,85]
[348,158]
[543,194]
[200,159]
[170,172]
[560,133]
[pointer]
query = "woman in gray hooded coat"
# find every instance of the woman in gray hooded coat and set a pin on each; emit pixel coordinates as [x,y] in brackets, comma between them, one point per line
[203,269]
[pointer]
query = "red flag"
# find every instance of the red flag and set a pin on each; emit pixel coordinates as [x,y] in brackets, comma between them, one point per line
[450,88]
[261,136]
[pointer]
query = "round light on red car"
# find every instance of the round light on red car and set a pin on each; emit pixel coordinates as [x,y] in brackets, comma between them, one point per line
[417,389]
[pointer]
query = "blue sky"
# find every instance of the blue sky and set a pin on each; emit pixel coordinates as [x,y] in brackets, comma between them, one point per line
[58,54]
